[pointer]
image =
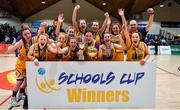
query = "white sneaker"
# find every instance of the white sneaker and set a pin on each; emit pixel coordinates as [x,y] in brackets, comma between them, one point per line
[14,102]
[21,96]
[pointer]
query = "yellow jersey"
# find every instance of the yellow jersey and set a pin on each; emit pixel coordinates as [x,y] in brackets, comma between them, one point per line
[91,51]
[79,36]
[97,38]
[21,62]
[136,53]
[108,52]
[119,55]
[40,54]
[35,39]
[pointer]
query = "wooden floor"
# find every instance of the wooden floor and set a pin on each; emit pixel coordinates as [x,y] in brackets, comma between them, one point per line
[167,86]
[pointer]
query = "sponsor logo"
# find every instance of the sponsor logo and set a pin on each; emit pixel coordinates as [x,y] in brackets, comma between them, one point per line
[45,86]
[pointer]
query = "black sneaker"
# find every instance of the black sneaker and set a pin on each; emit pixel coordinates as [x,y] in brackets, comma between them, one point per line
[25,105]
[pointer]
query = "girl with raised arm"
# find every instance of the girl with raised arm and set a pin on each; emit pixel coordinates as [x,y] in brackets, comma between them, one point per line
[80,26]
[23,45]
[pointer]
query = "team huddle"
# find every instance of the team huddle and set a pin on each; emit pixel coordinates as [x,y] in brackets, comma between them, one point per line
[109,42]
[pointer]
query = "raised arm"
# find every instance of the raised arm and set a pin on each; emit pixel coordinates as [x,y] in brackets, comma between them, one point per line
[74,17]
[103,27]
[150,11]
[121,13]
[43,26]
[52,48]
[14,47]
[108,25]
[126,34]
[59,23]
[122,45]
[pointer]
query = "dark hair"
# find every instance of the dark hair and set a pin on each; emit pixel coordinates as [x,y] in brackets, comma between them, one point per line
[23,39]
[22,30]
[69,27]
[88,30]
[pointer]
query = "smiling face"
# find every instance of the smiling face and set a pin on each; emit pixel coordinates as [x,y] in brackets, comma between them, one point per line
[135,38]
[95,26]
[115,29]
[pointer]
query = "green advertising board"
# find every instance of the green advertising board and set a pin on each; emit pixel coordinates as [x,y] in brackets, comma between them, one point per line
[175,49]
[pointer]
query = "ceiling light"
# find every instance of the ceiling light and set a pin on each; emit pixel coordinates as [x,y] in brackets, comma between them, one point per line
[43,1]
[161,5]
[104,3]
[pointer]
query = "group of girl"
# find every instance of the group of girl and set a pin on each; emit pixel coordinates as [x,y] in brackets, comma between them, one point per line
[106,43]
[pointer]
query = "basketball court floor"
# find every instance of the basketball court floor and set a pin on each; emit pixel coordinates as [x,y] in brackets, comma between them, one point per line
[167,82]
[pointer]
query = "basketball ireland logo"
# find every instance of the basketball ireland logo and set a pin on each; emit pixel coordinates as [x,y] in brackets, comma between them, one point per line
[46,86]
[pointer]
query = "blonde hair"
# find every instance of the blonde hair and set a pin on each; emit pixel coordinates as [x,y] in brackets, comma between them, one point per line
[62,34]
[69,27]
[44,34]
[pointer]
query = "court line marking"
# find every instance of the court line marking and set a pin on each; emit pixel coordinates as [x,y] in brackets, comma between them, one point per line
[5,100]
[168,72]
